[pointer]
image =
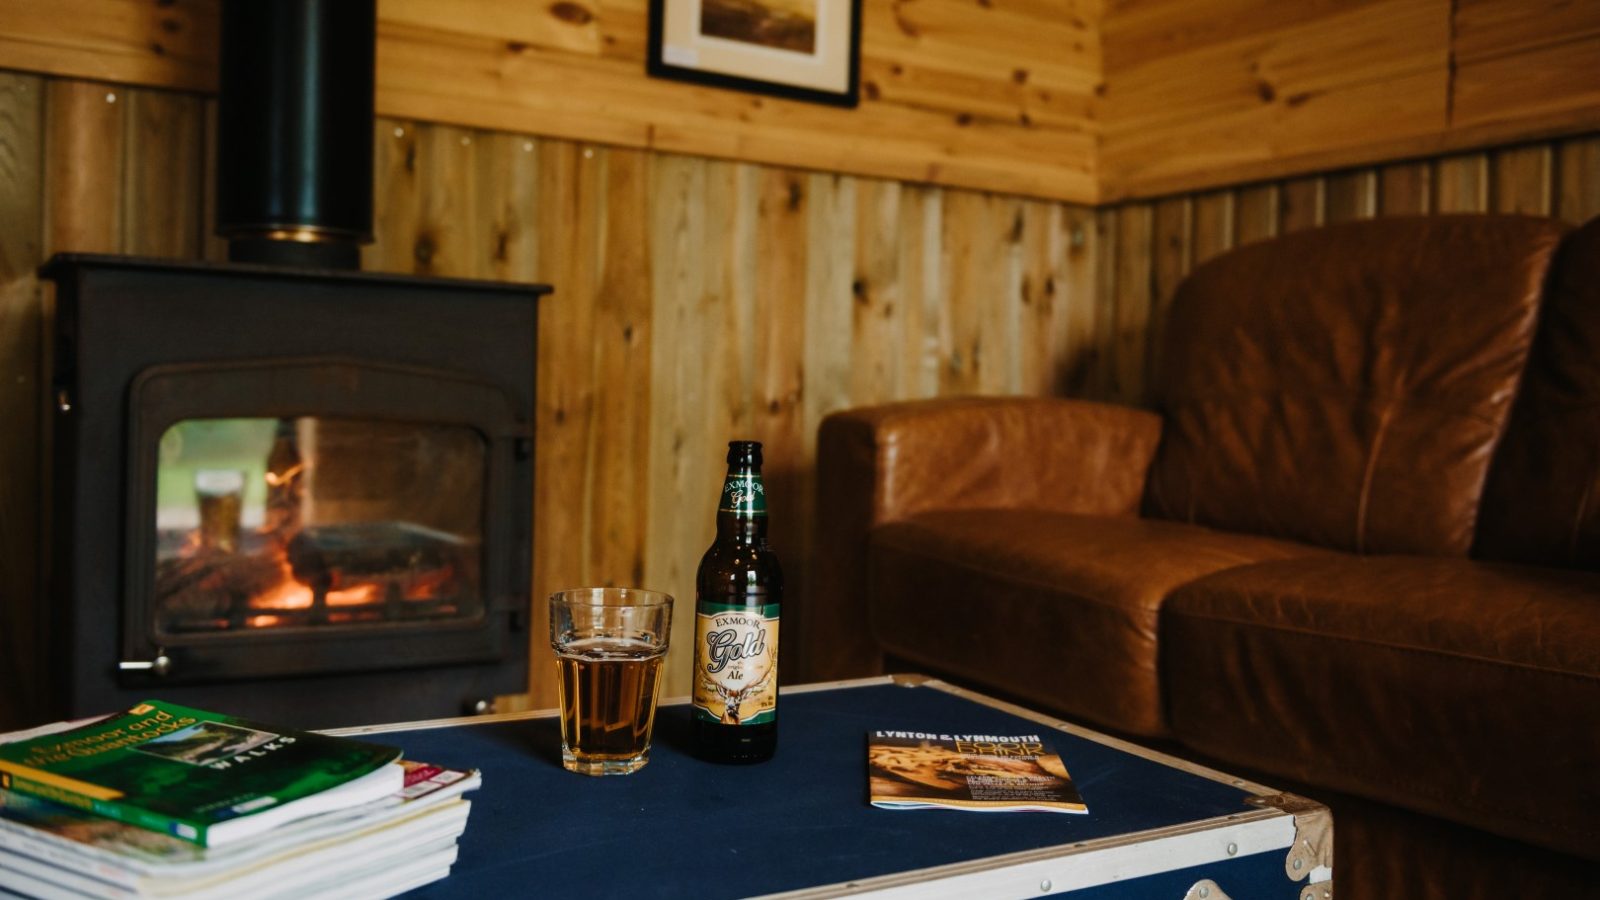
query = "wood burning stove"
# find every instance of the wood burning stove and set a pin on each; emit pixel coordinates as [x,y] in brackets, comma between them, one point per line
[298,494]
[280,487]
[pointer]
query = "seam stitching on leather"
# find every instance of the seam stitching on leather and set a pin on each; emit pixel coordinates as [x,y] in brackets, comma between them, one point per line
[1373,452]
[881,446]
[1412,400]
[1044,585]
[1056,587]
[1403,787]
[1388,645]
[1583,508]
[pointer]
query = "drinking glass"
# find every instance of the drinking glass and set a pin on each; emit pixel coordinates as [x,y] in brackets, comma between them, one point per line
[220,495]
[609,643]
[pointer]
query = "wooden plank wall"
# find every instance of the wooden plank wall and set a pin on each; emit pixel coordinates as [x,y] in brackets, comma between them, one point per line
[697,301]
[1077,100]
[1202,93]
[1148,246]
[990,95]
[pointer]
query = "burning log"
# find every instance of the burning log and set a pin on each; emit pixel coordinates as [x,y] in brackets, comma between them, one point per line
[213,584]
[386,553]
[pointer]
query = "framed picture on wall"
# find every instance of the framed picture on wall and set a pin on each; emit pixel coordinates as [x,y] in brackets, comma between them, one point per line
[800,49]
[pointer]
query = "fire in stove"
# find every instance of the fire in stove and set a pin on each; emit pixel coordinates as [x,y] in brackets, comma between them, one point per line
[315,522]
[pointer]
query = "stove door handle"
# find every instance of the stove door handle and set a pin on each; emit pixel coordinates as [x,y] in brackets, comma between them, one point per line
[161,665]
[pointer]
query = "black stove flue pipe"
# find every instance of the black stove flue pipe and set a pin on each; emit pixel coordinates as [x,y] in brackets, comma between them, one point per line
[294,131]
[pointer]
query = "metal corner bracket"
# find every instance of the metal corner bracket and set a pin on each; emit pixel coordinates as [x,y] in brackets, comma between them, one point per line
[1311,854]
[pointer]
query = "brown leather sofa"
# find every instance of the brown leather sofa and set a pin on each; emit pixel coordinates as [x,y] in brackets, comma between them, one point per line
[1352,551]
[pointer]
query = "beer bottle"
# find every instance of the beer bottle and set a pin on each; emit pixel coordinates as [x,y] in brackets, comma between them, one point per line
[285,477]
[738,590]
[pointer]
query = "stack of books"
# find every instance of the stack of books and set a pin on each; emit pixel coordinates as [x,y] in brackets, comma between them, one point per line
[167,801]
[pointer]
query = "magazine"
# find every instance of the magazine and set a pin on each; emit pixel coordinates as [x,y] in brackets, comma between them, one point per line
[202,777]
[981,772]
[385,874]
[288,875]
[125,854]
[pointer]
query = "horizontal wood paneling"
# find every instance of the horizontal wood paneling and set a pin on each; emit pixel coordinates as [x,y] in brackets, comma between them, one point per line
[166,44]
[1079,100]
[1555,80]
[997,96]
[1208,92]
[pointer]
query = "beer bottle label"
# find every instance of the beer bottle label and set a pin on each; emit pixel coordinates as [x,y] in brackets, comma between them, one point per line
[743,495]
[736,663]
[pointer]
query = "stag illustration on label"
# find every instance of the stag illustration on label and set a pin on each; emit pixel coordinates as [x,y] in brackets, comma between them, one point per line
[737,680]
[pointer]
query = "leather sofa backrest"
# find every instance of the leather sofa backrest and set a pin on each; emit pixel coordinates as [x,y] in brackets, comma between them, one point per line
[1542,502]
[1347,386]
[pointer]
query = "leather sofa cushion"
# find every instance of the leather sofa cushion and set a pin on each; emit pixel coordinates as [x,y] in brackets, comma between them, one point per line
[1055,608]
[1346,386]
[1461,689]
[1542,503]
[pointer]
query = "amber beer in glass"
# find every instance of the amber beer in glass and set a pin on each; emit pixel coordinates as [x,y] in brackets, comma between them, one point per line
[220,496]
[609,643]
[738,590]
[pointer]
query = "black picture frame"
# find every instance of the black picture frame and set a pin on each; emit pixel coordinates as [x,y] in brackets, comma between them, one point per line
[738,64]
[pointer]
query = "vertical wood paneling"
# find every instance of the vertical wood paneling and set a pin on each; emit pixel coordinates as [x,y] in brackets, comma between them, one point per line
[1076,367]
[779,302]
[1100,358]
[1255,215]
[619,443]
[878,308]
[164,203]
[1461,183]
[830,299]
[1135,239]
[730,262]
[212,246]
[446,238]
[21,199]
[395,198]
[975,260]
[1405,189]
[683,458]
[922,276]
[1301,204]
[83,197]
[1173,240]
[1002,302]
[1351,195]
[507,180]
[1521,180]
[827,301]
[1579,178]
[1042,323]
[1213,224]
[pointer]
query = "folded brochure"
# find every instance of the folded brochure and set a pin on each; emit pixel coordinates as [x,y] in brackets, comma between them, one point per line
[203,777]
[980,772]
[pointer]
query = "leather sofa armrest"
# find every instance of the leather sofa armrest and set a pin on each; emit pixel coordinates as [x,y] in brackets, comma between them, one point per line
[878,464]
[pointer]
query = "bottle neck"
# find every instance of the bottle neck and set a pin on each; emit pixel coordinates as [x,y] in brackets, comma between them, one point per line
[742,509]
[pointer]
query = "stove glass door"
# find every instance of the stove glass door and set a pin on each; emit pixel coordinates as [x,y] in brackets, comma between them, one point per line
[316,522]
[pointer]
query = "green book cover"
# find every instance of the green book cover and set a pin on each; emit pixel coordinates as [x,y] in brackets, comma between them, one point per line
[200,776]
